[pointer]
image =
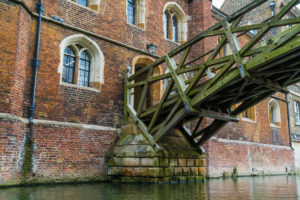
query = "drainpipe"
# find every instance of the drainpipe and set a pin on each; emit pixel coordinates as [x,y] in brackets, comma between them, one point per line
[35,62]
[289,123]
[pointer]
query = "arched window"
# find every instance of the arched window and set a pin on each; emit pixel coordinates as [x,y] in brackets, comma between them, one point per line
[174,29]
[274,112]
[82,62]
[175,23]
[136,10]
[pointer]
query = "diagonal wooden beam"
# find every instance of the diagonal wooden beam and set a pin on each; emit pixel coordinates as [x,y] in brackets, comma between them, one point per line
[144,93]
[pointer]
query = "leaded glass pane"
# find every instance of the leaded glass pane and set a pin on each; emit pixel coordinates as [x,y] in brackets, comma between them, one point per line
[84,69]
[130,11]
[174,29]
[69,65]
[166,25]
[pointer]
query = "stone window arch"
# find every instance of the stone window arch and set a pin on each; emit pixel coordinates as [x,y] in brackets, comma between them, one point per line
[87,60]
[156,89]
[92,4]
[175,23]
[136,12]
[274,112]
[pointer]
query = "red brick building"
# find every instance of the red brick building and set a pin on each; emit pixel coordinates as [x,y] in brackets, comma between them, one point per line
[84,49]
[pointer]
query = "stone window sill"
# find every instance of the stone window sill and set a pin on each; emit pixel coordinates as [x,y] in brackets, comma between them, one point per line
[274,126]
[85,7]
[167,39]
[248,120]
[135,26]
[79,87]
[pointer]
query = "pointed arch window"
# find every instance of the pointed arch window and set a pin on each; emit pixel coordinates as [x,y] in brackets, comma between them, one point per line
[81,63]
[274,113]
[175,23]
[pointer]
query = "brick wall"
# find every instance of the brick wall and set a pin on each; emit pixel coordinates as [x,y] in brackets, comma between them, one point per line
[245,158]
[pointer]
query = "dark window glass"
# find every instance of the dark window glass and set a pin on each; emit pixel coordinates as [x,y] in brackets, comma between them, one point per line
[69,65]
[131,11]
[84,69]
[82,2]
[273,115]
[166,25]
[174,29]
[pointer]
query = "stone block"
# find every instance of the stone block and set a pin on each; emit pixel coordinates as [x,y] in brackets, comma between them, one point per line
[167,171]
[153,172]
[203,162]
[177,171]
[202,171]
[190,162]
[144,151]
[173,162]
[113,171]
[115,162]
[194,171]
[197,162]
[185,171]
[140,171]
[149,162]
[163,162]
[126,171]
[181,162]
[131,162]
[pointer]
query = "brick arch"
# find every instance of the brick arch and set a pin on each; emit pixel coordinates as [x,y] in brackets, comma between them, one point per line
[156,89]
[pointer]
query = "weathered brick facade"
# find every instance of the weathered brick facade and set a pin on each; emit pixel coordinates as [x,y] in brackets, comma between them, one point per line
[74,127]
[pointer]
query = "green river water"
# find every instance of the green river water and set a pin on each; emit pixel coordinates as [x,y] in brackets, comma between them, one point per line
[269,187]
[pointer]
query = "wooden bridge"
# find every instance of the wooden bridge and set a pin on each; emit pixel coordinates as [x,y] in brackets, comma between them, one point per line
[251,73]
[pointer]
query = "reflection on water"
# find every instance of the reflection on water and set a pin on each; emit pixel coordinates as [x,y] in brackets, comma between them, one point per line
[274,187]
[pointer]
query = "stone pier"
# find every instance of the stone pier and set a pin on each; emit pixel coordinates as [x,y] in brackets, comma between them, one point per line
[133,159]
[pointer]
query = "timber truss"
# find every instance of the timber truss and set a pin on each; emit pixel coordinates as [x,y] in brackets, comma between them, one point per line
[251,73]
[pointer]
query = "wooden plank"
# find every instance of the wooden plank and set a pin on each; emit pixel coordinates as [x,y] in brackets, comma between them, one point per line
[160,106]
[215,115]
[184,57]
[214,128]
[197,126]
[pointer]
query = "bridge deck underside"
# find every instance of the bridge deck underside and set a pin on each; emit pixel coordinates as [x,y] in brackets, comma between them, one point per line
[250,74]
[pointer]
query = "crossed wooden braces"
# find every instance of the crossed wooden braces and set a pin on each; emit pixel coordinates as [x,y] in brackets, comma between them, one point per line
[250,74]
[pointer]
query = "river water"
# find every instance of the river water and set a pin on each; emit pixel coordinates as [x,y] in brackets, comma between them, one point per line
[270,187]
